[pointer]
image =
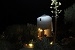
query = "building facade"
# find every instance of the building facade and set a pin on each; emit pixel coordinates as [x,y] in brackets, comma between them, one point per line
[45,26]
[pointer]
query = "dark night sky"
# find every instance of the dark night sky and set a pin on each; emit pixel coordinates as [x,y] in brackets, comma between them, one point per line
[25,11]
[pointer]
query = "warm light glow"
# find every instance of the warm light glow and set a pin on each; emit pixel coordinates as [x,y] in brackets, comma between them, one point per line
[47,32]
[30,45]
[40,30]
[26,44]
[38,36]
[51,42]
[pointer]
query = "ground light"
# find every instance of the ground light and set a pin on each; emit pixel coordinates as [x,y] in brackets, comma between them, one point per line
[51,43]
[30,45]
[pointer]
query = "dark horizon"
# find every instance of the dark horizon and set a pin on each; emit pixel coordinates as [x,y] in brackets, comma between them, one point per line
[26,11]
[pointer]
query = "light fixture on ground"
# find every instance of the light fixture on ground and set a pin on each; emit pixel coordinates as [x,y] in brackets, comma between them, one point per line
[51,43]
[30,45]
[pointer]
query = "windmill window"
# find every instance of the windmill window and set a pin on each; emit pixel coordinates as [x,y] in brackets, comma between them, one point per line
[40,19]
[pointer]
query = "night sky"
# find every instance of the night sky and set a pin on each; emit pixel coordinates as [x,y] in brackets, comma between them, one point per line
[26,11]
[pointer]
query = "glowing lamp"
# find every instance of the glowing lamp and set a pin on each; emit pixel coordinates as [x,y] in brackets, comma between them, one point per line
[51,43]
[39,29]
[30,45]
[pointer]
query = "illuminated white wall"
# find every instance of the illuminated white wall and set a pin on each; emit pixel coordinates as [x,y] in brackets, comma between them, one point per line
[45,22]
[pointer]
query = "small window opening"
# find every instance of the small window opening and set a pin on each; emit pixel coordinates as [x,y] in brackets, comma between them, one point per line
[40,19]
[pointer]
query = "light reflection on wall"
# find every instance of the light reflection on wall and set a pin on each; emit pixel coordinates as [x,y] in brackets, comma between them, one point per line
[39,32]
[47,32]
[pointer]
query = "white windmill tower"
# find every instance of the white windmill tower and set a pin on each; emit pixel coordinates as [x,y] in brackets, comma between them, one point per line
[44,24]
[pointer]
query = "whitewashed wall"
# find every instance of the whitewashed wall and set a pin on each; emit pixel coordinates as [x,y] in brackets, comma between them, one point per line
[45,22]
